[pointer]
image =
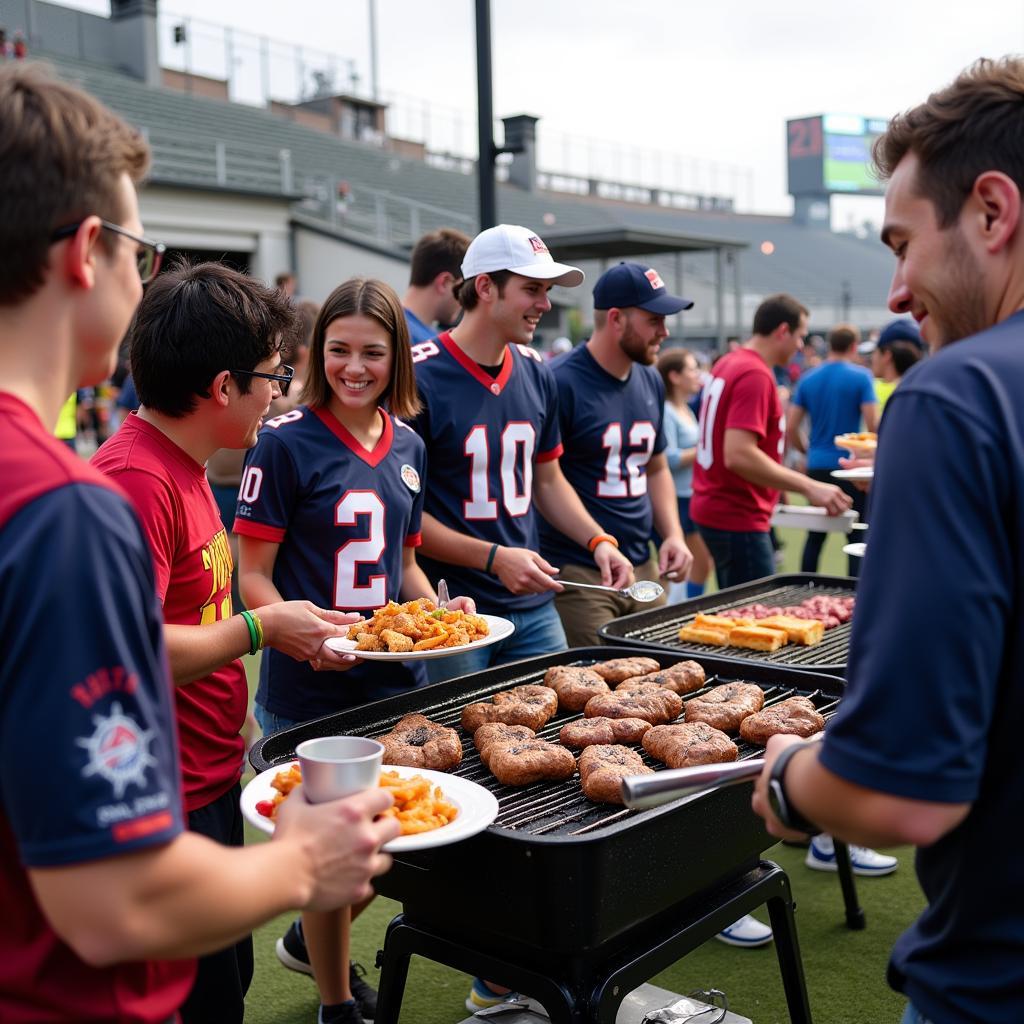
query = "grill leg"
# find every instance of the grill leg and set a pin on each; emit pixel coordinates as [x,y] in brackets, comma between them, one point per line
[404,938]
[854,914]
[787,948]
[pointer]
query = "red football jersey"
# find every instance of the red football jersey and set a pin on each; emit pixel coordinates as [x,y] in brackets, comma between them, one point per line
[193,581]
[741,395]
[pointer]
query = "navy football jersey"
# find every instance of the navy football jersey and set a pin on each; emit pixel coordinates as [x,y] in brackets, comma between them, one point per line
[610,429]
[341,516]
[484,435]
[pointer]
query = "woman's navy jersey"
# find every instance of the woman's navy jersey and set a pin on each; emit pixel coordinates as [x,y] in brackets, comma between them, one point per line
[610,429]
[484,435]
[341,516]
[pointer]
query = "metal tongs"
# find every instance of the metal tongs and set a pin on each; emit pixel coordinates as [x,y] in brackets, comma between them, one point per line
[642,791]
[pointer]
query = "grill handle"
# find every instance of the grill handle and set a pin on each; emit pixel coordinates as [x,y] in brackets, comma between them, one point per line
[642,791]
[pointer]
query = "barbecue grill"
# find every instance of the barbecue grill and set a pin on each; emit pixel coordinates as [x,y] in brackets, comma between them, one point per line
[574,902]
[658,629]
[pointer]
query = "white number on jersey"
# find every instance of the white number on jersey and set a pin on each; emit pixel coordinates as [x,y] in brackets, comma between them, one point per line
[515,438]
[349,594]
[642,436]
[252,483]
[424,350]
[706,427]
[286,417]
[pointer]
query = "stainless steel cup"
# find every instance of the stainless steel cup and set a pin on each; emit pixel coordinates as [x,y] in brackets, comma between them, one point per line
[337,766]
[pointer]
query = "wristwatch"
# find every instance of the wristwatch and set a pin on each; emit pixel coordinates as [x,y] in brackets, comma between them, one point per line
[780,804]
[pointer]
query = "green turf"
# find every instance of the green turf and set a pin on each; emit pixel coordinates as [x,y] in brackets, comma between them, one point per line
[845,969]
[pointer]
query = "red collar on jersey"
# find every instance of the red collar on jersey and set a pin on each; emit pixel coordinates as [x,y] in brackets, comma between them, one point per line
[381,448]
[494,385]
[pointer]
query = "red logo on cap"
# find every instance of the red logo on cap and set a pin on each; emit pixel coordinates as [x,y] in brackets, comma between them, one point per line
[537,245]
[652,276]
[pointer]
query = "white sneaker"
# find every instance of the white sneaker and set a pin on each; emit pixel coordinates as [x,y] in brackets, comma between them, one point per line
[747,931]
[821,856]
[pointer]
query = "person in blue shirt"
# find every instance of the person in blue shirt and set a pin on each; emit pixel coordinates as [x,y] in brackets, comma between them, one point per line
[434,272]
[838,397]
[925,748]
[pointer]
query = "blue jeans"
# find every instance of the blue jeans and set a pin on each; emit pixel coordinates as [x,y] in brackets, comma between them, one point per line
[912,1015]
[740,556]
[538,631]
[269,722]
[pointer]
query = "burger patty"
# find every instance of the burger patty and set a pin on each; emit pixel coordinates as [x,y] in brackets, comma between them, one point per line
[724,707]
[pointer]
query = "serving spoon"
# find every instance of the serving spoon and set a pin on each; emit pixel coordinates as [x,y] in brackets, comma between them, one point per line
[642,590]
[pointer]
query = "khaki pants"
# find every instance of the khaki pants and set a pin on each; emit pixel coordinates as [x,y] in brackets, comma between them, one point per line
[583,612]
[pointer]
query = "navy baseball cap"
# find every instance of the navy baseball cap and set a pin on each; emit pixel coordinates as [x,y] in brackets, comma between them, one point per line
[630,284]
[902,329]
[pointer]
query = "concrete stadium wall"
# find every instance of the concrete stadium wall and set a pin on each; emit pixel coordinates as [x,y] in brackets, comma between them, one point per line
[322,262]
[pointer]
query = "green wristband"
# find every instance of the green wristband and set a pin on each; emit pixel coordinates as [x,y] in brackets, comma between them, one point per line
[254,645]
[490,557]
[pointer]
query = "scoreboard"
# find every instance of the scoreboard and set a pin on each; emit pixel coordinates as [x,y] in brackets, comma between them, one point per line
[830,154]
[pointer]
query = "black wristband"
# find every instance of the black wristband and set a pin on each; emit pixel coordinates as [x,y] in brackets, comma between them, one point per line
[490,557]
[777,797]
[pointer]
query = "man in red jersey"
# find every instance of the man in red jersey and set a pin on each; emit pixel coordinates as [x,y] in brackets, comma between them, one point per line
[206,364]
[738,472]
[106,898]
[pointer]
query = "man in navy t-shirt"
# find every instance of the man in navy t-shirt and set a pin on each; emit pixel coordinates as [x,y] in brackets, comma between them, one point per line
[611,403]
[926,746]
[838,396]
[434,273]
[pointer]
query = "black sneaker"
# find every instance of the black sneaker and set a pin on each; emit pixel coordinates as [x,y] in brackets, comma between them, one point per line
[364,995]
[291,949]
[343,1013]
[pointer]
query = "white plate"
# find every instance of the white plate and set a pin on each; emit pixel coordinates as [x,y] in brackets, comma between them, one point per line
[857,473]
[477,806]
[499,629]
[856,549]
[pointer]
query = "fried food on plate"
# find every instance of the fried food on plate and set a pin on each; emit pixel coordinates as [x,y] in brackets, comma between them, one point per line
[416,626]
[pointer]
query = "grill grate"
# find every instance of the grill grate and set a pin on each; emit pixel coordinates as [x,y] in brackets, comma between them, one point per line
[661,627]
[560,808]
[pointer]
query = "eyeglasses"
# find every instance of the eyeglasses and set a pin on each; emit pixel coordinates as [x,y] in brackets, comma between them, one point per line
[149,256]
[284,378]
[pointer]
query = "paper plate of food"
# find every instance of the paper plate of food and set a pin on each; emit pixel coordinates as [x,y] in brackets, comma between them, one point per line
[433,808]
[418,630]
[854,473]
[863,443]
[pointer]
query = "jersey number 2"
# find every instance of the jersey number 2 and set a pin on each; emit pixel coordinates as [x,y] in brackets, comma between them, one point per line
[348,594]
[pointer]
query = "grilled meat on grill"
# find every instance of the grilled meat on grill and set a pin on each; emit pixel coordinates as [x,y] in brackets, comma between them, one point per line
[682,677]
[724,707]
[499,732]
[618,669]
[794,717]
[602,769]
[652,703]
[530,705]
[420,743]
[586,732]
[689,744]
[520,762]
[574,685]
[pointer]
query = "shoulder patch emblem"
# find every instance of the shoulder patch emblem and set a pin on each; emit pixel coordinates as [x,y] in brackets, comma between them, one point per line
[410,478]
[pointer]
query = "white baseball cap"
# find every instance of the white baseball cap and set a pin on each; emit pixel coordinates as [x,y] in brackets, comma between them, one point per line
[519,250]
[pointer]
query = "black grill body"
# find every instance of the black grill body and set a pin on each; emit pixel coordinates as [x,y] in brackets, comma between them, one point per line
[556,872]
[658,629]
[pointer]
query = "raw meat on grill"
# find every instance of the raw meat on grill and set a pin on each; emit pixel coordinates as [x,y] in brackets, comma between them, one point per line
[831,610]
[794,717]
[682,677]
[417,742]
[529,705]
[689,744]
[602,769]
[724,707]
[574,685]
[618,669]
[585,732]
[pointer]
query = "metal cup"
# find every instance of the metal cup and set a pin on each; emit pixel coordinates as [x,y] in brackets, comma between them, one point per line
[337,766]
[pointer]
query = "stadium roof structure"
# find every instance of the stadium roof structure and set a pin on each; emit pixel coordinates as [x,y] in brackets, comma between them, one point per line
[617,242]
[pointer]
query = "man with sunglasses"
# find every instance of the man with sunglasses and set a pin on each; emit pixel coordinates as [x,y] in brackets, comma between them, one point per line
[205,358]
[106,898]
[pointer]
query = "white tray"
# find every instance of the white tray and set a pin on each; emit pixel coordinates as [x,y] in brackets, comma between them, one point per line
[810,517]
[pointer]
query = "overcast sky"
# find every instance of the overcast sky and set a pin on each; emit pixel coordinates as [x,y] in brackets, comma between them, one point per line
[710,81]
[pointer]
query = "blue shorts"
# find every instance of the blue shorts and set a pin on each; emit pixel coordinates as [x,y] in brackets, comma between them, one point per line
[688,525]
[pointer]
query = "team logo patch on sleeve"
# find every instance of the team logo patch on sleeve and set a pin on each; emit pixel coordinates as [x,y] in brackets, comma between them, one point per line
[118,750]
[655,278]
[411,478]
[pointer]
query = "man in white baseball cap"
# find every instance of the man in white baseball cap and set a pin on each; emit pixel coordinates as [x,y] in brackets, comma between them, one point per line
[519,251]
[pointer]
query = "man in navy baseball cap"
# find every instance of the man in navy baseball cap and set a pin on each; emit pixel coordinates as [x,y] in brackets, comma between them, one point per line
[631,285]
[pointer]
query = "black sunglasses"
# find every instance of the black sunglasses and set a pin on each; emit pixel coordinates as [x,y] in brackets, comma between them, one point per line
[149,256]
[284,378]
